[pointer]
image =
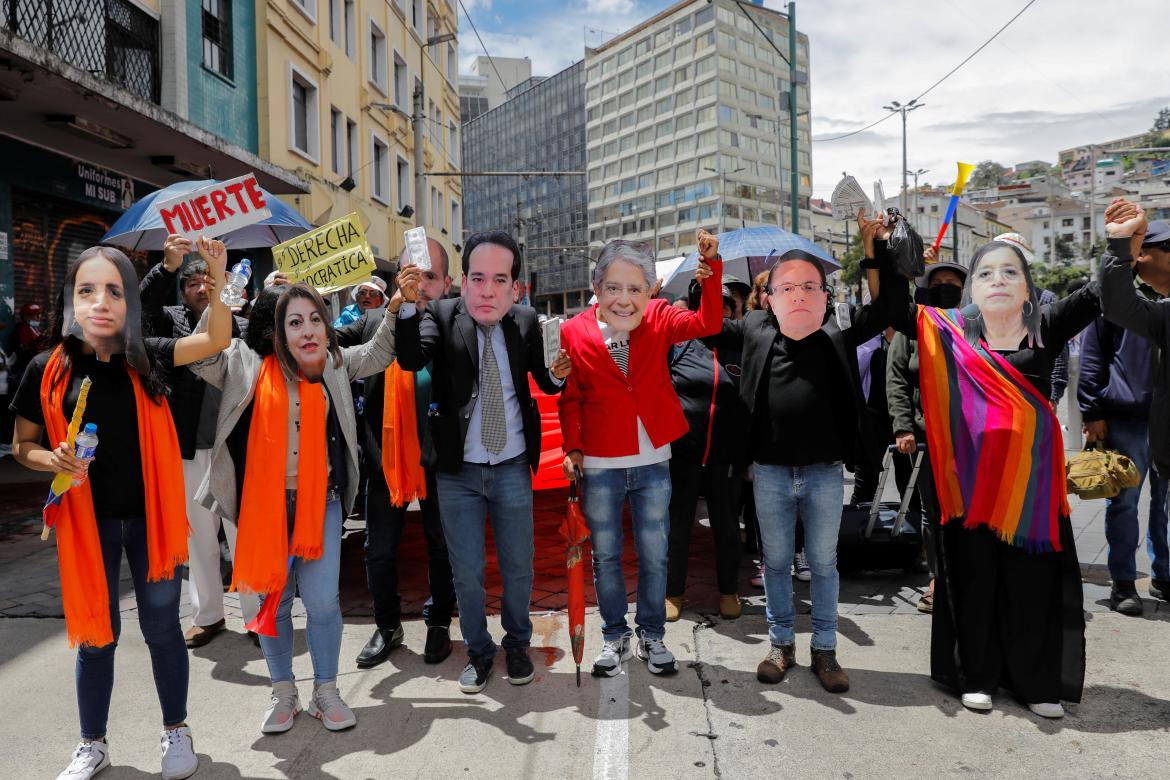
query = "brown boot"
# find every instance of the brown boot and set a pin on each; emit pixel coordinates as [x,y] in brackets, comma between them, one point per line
[729,606]
[198,636]
[832,676]
[779,660]
[673,608]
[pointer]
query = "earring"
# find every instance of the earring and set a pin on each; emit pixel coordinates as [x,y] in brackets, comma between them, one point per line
[1031,308]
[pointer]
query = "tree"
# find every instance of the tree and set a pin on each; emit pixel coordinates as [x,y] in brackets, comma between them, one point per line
[1064,250]
[851,270]
[1162,121]
[987,174]
[1058,278]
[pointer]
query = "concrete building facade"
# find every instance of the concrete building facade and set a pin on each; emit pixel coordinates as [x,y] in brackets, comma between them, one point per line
[487,85]
[334,99]
[683,117]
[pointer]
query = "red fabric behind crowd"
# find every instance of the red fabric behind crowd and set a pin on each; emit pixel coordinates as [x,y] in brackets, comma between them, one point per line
[550,473]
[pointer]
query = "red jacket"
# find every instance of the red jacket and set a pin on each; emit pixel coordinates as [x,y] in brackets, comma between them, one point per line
[599,407]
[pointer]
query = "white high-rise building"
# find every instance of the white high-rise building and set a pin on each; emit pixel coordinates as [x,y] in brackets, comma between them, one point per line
[687,126]
[487,85]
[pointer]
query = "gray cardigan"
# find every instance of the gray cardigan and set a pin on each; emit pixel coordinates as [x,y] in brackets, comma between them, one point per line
[235,370]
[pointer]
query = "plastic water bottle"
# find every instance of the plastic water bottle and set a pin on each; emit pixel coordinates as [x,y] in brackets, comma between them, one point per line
[85,446]
[237,280]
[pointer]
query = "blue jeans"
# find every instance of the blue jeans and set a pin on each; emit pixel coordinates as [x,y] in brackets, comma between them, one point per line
[317,582]
[1129,437]
[158,617]
[465,499]
[815,494]
[603,494]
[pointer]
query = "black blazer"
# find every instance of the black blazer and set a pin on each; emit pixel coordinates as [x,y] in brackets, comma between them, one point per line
[445,336]
[758,330]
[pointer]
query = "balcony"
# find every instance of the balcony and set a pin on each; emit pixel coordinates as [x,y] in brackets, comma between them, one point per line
[111,39]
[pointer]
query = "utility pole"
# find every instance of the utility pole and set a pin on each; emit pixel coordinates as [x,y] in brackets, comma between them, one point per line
[916,174]
[1092,211]
[417,117]
[792,132]
[903,110]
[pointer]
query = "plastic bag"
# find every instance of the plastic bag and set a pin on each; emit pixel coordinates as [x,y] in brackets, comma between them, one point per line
[905,248]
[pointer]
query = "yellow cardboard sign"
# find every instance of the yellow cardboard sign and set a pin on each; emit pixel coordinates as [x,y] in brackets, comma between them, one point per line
[329,258]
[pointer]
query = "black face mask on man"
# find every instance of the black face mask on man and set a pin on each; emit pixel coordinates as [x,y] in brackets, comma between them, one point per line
[944,296]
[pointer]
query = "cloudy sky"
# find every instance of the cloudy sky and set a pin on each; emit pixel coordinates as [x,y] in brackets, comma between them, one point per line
[1066,72]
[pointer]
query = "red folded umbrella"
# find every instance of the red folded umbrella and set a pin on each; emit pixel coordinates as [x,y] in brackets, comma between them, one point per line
[576,531]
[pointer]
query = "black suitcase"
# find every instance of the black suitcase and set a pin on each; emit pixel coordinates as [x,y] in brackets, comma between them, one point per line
[882,534]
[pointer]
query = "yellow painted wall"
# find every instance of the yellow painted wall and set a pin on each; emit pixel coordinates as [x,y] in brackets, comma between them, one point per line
[287,39]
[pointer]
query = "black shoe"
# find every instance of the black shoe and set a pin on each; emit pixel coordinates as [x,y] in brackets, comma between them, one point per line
[438,645]
[1160,589]
[1123,598]
[378,648]
[254,637]
[520,671]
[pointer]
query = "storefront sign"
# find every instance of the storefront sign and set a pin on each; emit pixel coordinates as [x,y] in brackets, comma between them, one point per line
[215,210]
[330,258]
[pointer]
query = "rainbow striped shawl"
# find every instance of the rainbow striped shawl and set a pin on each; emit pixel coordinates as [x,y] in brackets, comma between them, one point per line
[993,440]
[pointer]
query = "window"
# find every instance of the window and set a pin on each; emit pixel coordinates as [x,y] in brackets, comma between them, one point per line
[644,91]
[350,28]
[704,16]
[705,90]
[416,16]
[662,61]
[452,143]
[682,26]
[404,195]
[351,141]
[303,115]
[307,7]
[377,73]
[401,80]
[452,66]
[643,47]
[455,230]
[217,37]
[381,164]
[643,71]
[1067,222]
[337,139]
[334,21]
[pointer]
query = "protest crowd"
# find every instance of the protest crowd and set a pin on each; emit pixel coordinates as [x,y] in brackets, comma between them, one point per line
[271,429]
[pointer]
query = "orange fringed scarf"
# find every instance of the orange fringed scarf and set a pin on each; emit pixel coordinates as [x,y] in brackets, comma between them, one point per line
[400,438]
[84,593]
[262,541]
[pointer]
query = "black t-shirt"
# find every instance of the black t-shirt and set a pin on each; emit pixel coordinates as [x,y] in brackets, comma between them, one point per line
[115,475]
[801,392]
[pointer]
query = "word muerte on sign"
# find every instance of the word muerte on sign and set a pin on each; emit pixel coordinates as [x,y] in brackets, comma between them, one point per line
[215,210]
[330,258]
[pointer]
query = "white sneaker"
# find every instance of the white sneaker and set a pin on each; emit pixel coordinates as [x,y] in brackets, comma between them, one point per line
[613,654]
[178,754]
[330,709]
[89,758]
[658,659]
[282,708]
[980,702]
[1048,709]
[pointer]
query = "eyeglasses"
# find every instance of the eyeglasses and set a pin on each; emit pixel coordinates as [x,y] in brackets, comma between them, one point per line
[808,288]
[615,290]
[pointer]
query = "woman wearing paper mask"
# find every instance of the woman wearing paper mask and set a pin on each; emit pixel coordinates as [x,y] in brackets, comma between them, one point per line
[130,497]
[619,413]
[285,464]
[802,389]
[1007,605]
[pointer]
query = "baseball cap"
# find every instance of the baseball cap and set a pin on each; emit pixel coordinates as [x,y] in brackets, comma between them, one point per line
[1018,241]
[924,280]
[374,284]
[1157,232]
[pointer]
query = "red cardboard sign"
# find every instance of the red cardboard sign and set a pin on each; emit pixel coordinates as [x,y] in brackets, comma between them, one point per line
[215,210]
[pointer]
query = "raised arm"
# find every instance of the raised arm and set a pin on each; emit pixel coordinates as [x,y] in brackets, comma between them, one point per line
[679,325]
[416,332]
[1126,226]
[159,282]
[198,346]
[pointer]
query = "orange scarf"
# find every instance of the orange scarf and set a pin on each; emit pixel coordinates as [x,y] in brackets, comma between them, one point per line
[84,593]
[405,478]
[262,541]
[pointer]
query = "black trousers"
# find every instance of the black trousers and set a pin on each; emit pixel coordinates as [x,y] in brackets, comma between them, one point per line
[384,524]
[688,479]
[1006,616]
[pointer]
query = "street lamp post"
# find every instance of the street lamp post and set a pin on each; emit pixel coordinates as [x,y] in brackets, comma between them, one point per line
[916,174]
[903,110]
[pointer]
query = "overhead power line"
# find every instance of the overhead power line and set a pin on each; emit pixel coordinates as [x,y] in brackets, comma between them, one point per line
[948,74]
[484,46]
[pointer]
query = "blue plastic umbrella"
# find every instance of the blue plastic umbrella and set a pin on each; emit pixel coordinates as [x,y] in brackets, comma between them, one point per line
[141,227]
[748,251]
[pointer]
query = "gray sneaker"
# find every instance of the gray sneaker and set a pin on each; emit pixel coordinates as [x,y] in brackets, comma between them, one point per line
[658,659]
[475,675]
[613,653]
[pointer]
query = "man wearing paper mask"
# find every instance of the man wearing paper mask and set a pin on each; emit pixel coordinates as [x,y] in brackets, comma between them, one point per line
[390,429]
[367,296]
[801,385]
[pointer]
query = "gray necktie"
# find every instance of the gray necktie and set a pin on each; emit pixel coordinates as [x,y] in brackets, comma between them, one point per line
[492,431]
